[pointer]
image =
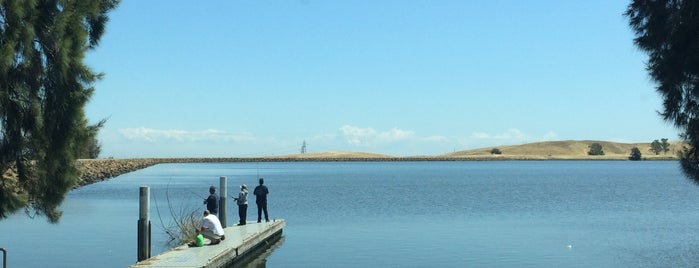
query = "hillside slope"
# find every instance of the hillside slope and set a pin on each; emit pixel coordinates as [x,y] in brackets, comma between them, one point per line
[571,149]
[338,155]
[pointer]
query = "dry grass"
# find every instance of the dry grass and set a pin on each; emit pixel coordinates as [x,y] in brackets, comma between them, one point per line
[322,155]
[571,149]
[183,223]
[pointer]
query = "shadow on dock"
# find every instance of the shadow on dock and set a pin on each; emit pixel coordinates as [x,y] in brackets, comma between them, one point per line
[258,257]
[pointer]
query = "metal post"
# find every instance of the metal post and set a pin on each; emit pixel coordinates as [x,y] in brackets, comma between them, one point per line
[4,257]
[222,201]
[144,224]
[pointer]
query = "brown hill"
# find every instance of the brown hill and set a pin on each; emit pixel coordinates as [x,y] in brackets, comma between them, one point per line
[101,169]
[335,155]
[571,149]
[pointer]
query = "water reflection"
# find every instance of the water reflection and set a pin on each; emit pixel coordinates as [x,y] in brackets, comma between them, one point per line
[258,259]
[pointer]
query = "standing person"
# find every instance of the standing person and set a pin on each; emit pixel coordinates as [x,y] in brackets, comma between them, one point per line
[242,201]
[212,201]
[211,228]
[261,192]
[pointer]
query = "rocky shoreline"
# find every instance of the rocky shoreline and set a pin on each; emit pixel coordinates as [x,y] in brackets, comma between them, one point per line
[96,170]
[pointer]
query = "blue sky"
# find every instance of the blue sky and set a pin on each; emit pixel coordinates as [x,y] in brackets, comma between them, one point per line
[257,78]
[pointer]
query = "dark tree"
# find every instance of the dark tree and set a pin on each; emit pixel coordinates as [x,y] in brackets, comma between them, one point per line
[44,86]
[495,151]
[656,147]
[93,148]
[635,154]
[595,149]
[667,31]
[664,145]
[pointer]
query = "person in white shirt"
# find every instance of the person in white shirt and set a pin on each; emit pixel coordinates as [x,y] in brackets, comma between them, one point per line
[211,228]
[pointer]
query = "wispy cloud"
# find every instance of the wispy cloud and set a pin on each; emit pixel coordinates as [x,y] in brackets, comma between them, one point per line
[550,136]
[512,134]
[435,139]
[370,137]
[177,135]
[392,141]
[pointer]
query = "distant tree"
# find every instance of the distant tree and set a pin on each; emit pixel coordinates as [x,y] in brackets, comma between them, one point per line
[92,148]
[44,86]
[656,147]
[595,149]
[667,31]
[635,154]
[495,151]
[665,145]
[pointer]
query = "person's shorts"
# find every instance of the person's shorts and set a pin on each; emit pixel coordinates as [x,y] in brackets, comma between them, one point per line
[210,234]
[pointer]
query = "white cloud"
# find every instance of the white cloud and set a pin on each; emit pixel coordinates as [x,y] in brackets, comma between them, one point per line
[355,135]
[324,137]
[550,136]
[480,135]
[395,135]
[177,135]
[370,137]
[435,139]
[512,134]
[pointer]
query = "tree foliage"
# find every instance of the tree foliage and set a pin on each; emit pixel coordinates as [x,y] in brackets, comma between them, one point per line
[656,147]
[92,148]
[664,145]
[595,149]
[667,31]
[495,151]
[635,154]
[660,146]
[44,86]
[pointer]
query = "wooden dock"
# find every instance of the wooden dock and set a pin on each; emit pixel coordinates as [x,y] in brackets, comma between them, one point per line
[240,240]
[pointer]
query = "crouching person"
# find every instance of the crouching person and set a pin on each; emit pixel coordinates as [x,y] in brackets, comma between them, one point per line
[211,228]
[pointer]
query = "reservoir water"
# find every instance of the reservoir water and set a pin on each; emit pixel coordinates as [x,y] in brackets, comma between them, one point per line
[396,214]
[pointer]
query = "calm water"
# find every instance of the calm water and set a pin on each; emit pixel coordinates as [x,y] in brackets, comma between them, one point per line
[398,214]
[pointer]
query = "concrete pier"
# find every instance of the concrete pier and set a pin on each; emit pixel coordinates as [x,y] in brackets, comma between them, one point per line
[240,240]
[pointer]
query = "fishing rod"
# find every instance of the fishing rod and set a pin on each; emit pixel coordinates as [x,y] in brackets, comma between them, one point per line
[196,194]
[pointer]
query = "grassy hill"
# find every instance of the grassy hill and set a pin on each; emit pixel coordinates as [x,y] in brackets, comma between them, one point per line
[572,149]
[94,170]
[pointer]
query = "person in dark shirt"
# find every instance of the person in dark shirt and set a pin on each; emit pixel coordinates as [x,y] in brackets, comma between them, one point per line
[261,192]
[212,201]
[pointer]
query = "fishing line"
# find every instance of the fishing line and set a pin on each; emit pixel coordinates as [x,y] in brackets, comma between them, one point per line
[196,194]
